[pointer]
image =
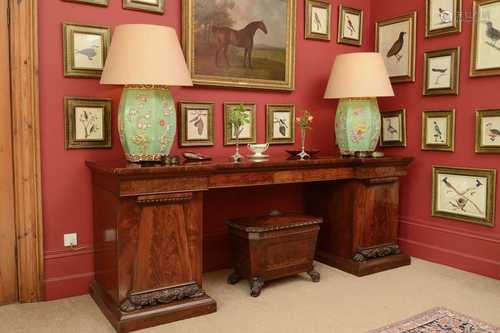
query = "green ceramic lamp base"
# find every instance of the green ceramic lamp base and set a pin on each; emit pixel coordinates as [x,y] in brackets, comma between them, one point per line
[146,123]
[357,126]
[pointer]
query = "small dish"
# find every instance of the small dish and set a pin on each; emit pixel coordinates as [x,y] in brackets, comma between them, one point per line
[258,150]
[258,157]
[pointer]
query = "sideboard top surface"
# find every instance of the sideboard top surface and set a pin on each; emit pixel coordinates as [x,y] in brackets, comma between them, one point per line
[225,165]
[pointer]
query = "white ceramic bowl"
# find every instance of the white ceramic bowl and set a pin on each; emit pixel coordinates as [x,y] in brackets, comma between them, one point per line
[258,149]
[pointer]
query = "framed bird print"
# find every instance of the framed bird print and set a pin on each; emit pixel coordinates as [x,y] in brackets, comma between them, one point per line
[395,39]
[280,124]
[318,20]
[103,3]
[85,49]
[197,124]
[485,49]
[87,122]
[393,132]
[464,194]
[441,72]
[488,131]
[243,44]
[350,29]
[249,130]
[442,17]
[154,6]
[438,130]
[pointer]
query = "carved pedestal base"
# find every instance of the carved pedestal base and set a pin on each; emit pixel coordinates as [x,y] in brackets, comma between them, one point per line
[364,267]
[151,315]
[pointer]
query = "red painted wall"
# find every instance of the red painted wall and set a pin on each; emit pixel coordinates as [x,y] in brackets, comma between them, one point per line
[66,180]
[470,247]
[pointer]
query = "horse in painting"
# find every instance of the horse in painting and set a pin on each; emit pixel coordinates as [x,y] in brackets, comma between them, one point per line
[244,38]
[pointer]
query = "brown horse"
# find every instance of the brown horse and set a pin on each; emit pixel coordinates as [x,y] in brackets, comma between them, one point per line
[243,38]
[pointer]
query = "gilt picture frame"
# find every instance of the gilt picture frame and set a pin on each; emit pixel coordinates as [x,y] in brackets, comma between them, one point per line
[393,133]
[485,45]
[396,39]
[85,49]
[280,124]
[196,124]
[249,132]
[87,122]
[153,6]
[442,17]
[350,28]
[318,20]
[464,194]
[267,31]
[438,130]
[488,131]
[103,3]
[441,72]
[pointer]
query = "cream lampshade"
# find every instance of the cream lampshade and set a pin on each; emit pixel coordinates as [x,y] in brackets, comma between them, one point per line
[357,79]
[147,59]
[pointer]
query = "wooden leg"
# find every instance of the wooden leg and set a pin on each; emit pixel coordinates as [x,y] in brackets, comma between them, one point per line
[233,278]
[256,285]
[315,276]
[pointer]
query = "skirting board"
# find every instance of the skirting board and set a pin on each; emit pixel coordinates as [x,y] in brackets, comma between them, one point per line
[469,252]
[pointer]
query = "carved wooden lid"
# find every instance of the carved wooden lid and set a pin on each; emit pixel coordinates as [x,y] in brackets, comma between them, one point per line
[274,221]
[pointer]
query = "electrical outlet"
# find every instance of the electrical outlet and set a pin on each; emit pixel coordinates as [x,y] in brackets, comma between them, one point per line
[70,240]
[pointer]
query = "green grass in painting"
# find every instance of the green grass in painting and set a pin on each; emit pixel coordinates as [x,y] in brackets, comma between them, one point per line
[268,63]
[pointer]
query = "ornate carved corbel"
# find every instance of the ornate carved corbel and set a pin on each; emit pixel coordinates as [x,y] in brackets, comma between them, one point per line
[376,252]
[161,296]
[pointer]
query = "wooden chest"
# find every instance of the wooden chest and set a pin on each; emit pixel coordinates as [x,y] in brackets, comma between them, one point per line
[273,246]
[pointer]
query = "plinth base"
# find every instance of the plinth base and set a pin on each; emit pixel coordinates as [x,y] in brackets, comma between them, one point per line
[152,315]
[365,267]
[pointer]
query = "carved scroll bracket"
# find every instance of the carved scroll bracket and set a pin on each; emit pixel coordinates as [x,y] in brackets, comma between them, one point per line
[162,296]
[377,252]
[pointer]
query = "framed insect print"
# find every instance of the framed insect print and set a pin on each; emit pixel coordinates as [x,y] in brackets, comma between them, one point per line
[197,124]
[85,49]
[442,17]
[154,6]
[485,48]
[395,39]
[350,30]
[245,44]
[249,131]
[438,130]
[441,72]
[280,124]
[464,194]
[87,122]
[103,3]
[318,19]
[393,132]
[488,131]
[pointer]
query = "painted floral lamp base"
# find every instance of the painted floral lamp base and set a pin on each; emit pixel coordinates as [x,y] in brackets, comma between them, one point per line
[357,126]
[146,123]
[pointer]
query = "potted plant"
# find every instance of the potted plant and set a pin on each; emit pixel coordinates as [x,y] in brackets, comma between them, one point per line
[305,123]
[238,117]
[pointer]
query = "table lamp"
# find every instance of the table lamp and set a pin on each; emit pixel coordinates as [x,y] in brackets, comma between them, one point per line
[147,59]
[358,79]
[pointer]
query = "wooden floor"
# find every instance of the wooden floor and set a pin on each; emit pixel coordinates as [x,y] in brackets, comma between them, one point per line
[340,303]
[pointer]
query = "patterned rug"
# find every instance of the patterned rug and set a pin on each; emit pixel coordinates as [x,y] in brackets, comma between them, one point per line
[439,320]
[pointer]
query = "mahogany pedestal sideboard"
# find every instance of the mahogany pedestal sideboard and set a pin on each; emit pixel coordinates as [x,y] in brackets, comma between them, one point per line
[148,224]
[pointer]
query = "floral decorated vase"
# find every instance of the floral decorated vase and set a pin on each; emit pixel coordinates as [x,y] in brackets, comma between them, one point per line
[357,125]
[146,123]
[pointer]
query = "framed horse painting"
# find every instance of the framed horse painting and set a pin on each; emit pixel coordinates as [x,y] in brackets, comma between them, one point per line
[240,43]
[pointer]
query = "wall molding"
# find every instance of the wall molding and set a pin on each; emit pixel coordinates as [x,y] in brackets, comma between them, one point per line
[26,148]
[455,231]
[422,240]
[69,252]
